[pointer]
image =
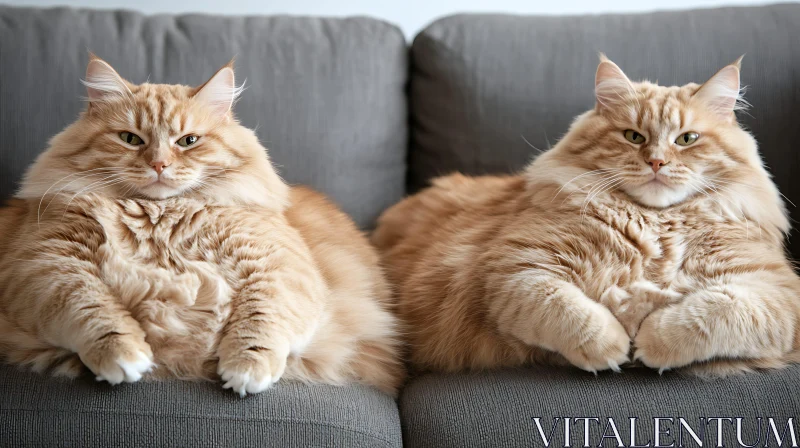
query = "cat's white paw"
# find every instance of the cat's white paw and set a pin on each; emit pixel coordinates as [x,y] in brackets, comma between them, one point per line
[245,383]
[251,372]
[118,358]
[125,370]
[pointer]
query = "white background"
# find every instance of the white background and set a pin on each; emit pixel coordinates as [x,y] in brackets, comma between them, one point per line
[410,15]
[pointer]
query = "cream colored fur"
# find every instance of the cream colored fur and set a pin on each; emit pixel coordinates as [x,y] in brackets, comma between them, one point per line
[593,257]
[210,268]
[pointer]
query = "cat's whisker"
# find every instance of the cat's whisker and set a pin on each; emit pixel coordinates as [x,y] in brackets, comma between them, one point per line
[606,186]
[50,202]
[600,183]
[705,193]
[83,175]
[92,187]
[128,190]
[539,151]
[53,184]
[716,198]
[593,172]
[601,187]
[717,190]
[739,206]
[98,185]
[754,187]
[87,173]
[591,185]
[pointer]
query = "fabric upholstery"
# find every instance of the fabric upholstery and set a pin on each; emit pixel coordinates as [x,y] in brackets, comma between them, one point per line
[497,409]
[326,95]
[481,85]
[39,411]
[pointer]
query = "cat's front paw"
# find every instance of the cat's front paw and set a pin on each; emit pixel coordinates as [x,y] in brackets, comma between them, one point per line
[643,298]
[118,357]
[713,325]
[663,342]
[252,370]
[603,343]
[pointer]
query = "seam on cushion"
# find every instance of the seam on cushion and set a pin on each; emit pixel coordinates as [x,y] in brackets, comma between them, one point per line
[201,417]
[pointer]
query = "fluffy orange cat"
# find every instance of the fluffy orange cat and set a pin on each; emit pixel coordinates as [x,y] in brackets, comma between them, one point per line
[651,229]
[154,235]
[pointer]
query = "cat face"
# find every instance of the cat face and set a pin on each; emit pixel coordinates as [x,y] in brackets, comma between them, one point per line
[662,145]
[156,141]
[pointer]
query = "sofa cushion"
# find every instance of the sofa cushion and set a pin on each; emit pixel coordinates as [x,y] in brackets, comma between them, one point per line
[481,85]
[326,95]
[38,411]
[492,409]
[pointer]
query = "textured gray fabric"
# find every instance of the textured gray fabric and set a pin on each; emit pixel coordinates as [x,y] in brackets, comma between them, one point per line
[482,84]
[327,95]
[37,411]
[496,409]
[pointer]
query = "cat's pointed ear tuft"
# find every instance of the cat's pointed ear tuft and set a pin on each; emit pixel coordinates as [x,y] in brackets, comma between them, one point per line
[722,93]
[220,91]
[738,62]
[611,85]
[102,81]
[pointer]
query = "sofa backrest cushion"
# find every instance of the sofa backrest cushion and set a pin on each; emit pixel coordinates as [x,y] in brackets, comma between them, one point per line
[487,89]
[326,95]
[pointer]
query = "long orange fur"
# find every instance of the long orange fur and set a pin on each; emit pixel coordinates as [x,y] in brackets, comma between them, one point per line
[593,258]
[212,268]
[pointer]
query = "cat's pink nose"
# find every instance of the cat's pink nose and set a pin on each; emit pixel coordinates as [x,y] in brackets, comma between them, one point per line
[656,164]
[159,166]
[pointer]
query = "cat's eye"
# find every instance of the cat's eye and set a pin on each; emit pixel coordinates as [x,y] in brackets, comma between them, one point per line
[130,138]
[687,139]
[634,137]
[188,140]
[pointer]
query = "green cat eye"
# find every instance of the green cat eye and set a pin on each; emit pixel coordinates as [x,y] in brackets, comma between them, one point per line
[687,139]
[130,138]
[188,140]
[634,137]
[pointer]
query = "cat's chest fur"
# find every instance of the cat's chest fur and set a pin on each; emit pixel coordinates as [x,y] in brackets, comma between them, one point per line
[159,259]
[642,267]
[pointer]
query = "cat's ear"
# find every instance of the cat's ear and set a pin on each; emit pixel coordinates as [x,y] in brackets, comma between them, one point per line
[220,91]
[722,94]
[102,81]
[611,86]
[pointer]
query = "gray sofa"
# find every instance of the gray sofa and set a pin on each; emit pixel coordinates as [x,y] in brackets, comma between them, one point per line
[344,106]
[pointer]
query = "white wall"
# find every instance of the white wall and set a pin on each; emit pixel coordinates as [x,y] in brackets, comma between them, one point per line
[411,15]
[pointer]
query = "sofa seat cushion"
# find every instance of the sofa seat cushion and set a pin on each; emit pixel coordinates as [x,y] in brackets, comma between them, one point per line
[42,411]
[490,409]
